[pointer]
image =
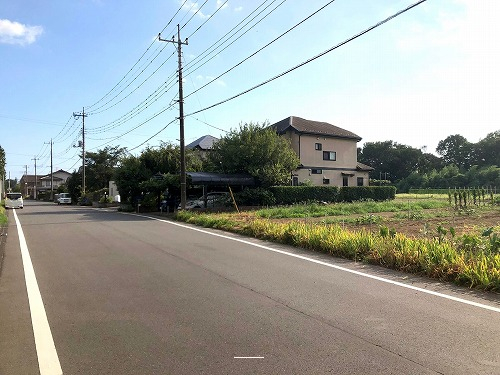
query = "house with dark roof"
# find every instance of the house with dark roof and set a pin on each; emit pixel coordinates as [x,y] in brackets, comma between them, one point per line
[327,153]
[43,183]
[203,144]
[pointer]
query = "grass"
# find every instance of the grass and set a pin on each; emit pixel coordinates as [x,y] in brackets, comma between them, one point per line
[3,216]
[471,260]
[342,209]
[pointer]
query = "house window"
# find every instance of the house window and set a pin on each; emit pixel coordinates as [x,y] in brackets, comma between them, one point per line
[329,155]
[316,171]
[326,181]
[318,146]
[345,180]
[360,181]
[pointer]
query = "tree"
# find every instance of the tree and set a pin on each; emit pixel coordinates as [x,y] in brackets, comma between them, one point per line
[257,150]
[128,176]
[134,171]
[390,158]
[457,150]
[74,185]
[166,159]
[487,150]
[100,166]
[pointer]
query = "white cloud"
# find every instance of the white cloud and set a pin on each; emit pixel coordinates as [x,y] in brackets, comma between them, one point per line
[204,79]
[17,33]
[239,9]
[193,7]
[222,4]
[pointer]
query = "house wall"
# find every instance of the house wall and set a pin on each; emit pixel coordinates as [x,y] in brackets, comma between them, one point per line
[334,177]
[312,160]
[62,175]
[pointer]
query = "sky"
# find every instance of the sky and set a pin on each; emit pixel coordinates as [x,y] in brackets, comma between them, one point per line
[429,73]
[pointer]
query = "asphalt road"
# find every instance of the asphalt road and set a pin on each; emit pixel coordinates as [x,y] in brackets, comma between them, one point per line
[125,294]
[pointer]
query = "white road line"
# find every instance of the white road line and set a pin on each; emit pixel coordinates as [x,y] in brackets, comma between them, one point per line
[248,357]
[340,268]
[48,361]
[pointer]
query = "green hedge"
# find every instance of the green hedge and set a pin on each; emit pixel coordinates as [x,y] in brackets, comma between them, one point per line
[301,194]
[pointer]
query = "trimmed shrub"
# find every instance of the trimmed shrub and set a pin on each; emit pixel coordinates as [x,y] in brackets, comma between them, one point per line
[287,195]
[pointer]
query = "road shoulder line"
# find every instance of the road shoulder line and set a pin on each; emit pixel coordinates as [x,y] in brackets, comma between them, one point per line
[48,360]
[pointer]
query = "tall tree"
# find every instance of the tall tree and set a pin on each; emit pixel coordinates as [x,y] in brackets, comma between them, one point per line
[257,150]
[391,160]
[457,150]
[166,159]
[100,167]
[487,150]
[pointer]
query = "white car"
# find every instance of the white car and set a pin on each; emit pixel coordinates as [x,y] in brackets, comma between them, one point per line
[14,200]
[214,199]
[64,198]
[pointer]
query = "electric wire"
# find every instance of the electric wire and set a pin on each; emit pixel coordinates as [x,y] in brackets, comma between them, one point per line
[147,140]
[195,13]
[262,48]
[213,51]
[137,62]
[208,19]
[311,59]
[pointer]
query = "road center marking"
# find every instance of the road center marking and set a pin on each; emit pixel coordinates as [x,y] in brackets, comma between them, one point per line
[340,268]
[48,361]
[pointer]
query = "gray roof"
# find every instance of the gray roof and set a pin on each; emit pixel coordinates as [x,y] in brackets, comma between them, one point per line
[364,167]
[203,143]
[207,178]
[301,125]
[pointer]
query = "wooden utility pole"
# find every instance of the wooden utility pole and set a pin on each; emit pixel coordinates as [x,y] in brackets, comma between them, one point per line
[34,191]
[82,115]
[181,113]
[51,174]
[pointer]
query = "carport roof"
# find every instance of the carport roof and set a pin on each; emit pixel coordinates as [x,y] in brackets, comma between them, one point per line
[207,178]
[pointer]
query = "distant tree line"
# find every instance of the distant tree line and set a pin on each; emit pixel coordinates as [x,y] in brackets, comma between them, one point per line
[460,164]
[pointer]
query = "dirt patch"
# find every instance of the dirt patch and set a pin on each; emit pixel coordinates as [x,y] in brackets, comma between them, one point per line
[463,223]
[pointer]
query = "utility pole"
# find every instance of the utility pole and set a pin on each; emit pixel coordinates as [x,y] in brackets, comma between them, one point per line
[51,173]
[82,115]
[26,181]
[34,188]
[181,113]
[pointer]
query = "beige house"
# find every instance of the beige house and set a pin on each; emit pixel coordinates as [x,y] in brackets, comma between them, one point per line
[327,153]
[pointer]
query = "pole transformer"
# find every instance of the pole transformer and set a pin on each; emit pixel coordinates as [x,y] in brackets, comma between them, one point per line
[181,113]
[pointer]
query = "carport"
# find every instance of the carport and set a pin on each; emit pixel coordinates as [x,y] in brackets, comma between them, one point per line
[206,179]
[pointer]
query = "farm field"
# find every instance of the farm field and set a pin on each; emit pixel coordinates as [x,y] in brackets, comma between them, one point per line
[425,235]
[412,215]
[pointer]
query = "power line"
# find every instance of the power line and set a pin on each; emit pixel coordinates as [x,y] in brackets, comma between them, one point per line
[214,51]
[262,48]
[137,62]
[208,19]
[166,126]
[312,58]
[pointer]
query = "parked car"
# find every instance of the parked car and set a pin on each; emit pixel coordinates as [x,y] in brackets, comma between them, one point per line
[214,199]
[14,200]
[64,198]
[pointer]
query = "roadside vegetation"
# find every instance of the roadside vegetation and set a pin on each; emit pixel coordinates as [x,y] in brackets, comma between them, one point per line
[421,235]
[3,215]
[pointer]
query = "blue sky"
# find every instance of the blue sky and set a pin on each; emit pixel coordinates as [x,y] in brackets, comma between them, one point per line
[427,74]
